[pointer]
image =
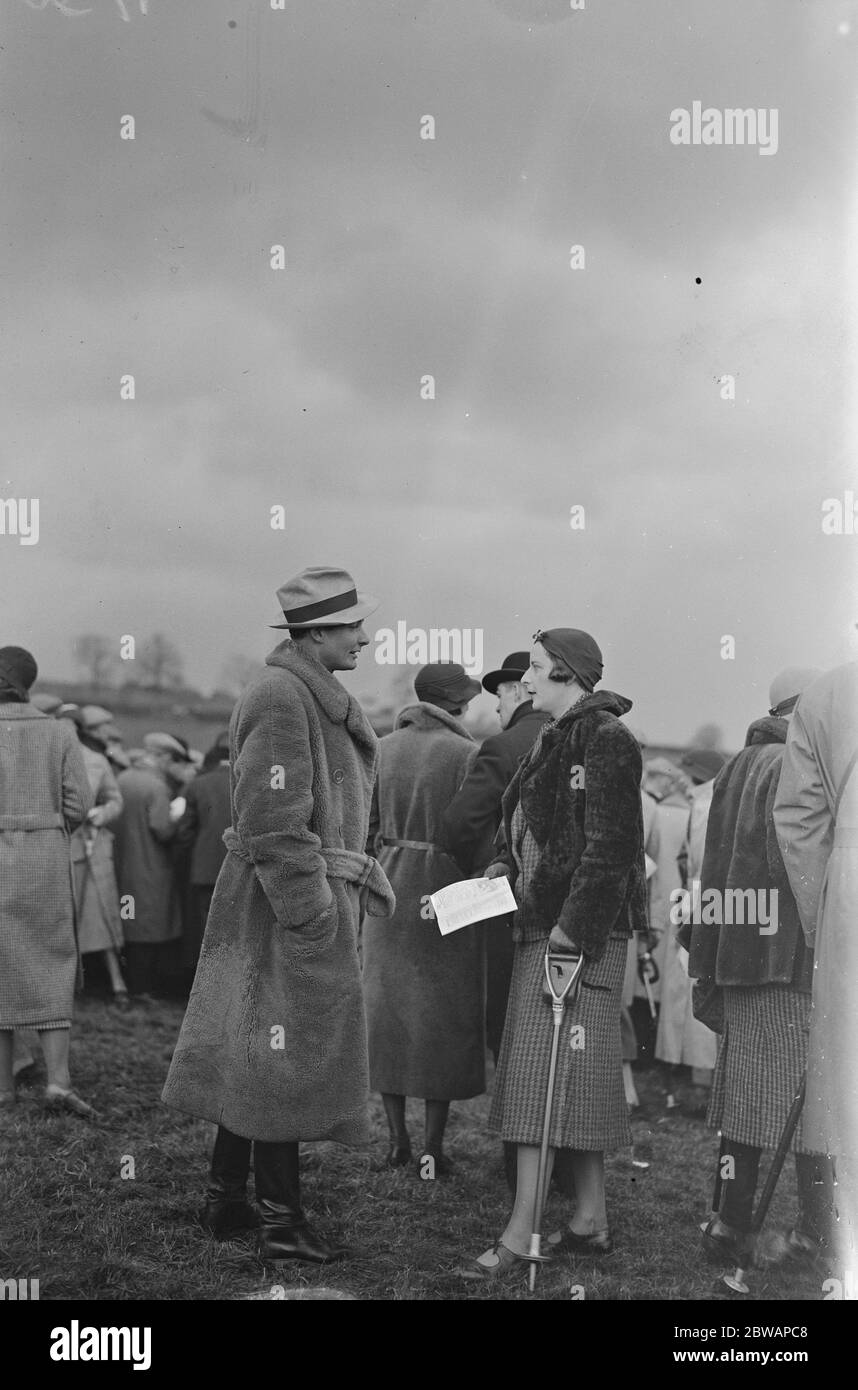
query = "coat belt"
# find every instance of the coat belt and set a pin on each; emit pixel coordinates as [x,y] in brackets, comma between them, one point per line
[347,864]
[846,837]
[412,844]
[24,822]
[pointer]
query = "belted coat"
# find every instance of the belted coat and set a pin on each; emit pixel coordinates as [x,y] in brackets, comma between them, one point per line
[44,794]
[273,1045]
[816,819]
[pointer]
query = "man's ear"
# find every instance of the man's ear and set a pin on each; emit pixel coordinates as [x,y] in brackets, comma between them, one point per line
[317,634]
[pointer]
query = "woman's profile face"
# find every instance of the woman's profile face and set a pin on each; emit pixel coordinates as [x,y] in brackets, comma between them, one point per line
[545,693]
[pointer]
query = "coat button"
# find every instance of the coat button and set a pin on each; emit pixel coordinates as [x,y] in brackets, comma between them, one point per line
[338,775]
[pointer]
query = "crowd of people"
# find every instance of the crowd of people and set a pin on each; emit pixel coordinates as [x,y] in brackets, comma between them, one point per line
[290,871]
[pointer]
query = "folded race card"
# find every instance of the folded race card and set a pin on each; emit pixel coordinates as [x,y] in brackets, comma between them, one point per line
[460,904]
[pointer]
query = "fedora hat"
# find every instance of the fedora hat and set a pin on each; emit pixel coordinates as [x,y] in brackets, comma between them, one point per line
[513,668]
[323,597]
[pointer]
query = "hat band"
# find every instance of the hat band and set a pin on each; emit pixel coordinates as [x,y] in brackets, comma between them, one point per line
[321,609]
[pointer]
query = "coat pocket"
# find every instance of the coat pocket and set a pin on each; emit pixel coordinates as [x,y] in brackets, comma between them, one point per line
[315,935]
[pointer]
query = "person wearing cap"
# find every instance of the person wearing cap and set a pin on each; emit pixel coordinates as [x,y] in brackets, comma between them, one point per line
[101,729]
[273,1046]
[758,982]
[424,992]
[144,868]
[99,926]
[44,795]
[200,831]
[473,817]
[681,1040]
[573,837]
[816,820]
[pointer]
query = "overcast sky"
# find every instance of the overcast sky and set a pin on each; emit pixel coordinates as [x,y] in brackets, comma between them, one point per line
[596,387]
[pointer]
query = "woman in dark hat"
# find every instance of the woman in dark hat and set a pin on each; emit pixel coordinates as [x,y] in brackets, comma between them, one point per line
[424,992]
[574,835]
[44,795]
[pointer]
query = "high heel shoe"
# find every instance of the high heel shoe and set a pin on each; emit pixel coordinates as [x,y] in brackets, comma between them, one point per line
[496,1263]
[568,1242]
[399,1154]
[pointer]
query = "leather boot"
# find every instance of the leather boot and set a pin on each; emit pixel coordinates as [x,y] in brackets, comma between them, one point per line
[227,1209]
[285,1233]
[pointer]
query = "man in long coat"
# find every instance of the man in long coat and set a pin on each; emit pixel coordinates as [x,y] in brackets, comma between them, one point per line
[144,866]
[207,815]
[273,1046]
[816,817]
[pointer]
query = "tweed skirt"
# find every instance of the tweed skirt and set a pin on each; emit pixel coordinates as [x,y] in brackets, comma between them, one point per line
[590,1111]
[761,1059]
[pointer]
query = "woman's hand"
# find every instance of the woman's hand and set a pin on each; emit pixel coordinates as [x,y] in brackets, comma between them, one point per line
[496,870]
[96,817]
[558,941]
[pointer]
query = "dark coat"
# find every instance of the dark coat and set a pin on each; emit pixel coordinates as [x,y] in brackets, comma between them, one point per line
[206,816]
[425,993]
[591,880]
[473,816]
[144,866]
[44,794]
[741,853]
[273,1045]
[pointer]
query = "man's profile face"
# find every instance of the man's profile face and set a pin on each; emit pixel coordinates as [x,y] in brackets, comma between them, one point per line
[510,696]
[340,646]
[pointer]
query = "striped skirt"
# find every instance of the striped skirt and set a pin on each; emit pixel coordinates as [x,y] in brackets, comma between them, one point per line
[761,1059]
[590,1111]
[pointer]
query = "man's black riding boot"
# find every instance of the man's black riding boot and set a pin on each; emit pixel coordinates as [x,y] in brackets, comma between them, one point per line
[285,1233]
[227,1209]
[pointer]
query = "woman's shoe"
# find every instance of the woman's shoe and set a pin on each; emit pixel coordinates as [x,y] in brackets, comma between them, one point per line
[58,1099]
[398,1155]
[496,1263]
[570,1243]
[722,1243]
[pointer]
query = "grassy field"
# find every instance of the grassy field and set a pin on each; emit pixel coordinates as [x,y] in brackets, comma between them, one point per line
[71,1220]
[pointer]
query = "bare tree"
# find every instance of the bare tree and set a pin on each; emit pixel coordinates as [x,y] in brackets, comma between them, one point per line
[160,663]
[93,654]
[237,672]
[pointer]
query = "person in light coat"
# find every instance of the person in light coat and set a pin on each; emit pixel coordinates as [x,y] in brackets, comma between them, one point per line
[816,817]
[44,795]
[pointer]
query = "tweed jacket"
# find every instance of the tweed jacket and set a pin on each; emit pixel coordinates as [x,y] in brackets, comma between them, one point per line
[742,853]
[580,795]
